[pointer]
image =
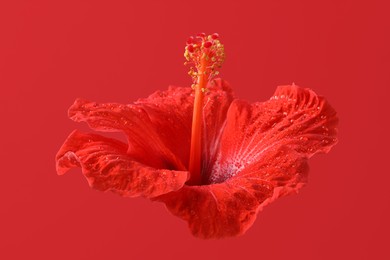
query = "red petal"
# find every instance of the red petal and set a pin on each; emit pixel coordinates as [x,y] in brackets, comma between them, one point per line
[295,120]
[145,143]
[170,115]
[219,210]
[106,165]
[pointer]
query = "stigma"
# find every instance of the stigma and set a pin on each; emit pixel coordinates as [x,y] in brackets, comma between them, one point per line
[205,54]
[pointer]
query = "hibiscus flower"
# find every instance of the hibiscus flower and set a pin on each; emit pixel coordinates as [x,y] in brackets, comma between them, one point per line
[214,160]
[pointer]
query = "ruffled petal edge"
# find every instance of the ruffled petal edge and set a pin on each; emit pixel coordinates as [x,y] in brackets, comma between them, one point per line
[107,167]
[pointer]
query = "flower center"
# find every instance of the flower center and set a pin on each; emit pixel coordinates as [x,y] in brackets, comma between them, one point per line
[206,55]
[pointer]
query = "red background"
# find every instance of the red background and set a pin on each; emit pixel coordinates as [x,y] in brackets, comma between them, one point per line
[52,52]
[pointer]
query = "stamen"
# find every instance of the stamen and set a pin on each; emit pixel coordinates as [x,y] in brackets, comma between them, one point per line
[206,55]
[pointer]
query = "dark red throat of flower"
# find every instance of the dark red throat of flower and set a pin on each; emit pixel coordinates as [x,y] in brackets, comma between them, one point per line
[205,54]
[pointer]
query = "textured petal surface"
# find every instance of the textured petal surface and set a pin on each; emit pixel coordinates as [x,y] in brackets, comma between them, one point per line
[170,114]
[262,155]
[218,210]
[107,167]
[295,120]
